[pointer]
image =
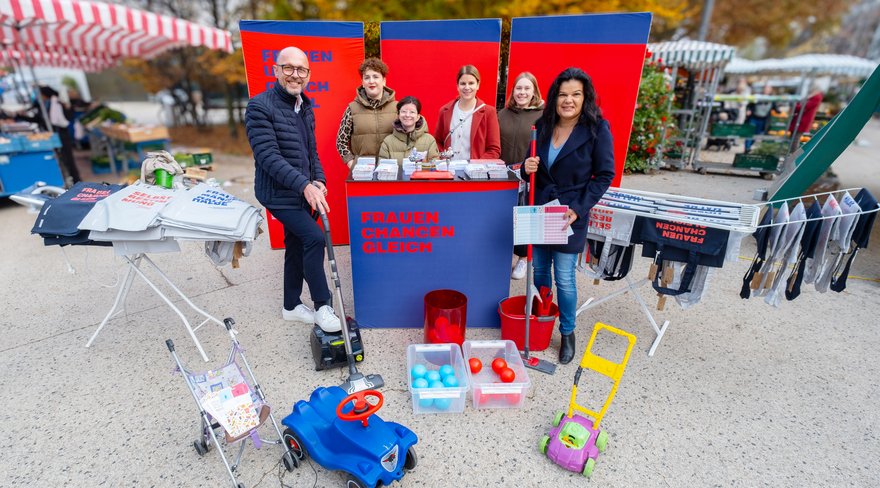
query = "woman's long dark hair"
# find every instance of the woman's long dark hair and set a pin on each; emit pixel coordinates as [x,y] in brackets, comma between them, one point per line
[590,113]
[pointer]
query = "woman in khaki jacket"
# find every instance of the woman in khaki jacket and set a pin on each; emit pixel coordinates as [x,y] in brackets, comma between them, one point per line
[522,111]
[410,132]
[367,120]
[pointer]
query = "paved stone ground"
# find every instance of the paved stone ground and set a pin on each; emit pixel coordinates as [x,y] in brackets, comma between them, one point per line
[737,394]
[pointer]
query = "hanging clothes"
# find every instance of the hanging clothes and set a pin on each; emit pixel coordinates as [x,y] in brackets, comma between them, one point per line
[608,253]
[789,245]
[809,240]
[860,235]
[762,236]
[839,243]
[773,247]
[830,210]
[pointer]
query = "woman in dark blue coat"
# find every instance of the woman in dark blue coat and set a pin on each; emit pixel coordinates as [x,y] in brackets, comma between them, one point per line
[574,163]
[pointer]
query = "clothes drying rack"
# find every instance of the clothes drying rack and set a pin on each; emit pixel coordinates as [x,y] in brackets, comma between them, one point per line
[747,223]
[133,263]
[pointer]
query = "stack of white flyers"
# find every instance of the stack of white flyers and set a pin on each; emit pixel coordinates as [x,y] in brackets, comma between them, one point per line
[409,167]
[457,164]
[363,170]
[716,213]
[497,170]
[386,171]
[540,224]
[477,171]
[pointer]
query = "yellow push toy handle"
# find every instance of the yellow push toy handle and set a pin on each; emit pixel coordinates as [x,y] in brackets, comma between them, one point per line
[603,366]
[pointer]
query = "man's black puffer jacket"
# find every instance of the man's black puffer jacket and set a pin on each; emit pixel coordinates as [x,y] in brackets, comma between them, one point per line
[270,124]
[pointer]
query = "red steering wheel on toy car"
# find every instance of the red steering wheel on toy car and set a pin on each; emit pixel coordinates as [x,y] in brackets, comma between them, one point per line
[362,409]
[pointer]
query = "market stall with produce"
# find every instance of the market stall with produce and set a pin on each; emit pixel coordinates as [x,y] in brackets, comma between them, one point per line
[93,36]
[695,70]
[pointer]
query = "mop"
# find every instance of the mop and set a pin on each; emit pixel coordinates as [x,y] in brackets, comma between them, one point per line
[530,362]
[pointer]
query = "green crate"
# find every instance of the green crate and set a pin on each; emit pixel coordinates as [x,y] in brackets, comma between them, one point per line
[755,161]
[202,158]
[739,130]
[675,154]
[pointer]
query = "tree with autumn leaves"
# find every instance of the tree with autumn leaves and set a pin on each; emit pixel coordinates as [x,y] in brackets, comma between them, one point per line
[652,109]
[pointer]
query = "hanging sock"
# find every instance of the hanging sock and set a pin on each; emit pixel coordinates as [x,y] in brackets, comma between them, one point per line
[828,229]
[791,239]
[761,236]
[860,235]
[808,249]
[839,244]
[774,245]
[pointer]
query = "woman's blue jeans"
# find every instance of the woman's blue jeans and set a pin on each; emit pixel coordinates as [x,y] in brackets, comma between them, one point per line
[566,284]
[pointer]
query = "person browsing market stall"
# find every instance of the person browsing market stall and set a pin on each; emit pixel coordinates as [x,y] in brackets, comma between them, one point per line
[367,120]
[289,181]
[575,164]
[523,109]
[410,133]
[467,125]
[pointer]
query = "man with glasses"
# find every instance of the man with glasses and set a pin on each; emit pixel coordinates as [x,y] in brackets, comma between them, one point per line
[290,182]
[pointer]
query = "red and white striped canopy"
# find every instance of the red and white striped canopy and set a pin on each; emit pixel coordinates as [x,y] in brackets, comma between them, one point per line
[95,35]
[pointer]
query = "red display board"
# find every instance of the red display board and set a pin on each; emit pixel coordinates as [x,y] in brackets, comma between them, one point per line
[424,57]
[608,47]
[335,51]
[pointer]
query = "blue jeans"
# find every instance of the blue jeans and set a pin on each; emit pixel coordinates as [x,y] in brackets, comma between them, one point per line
[566,283]
[759,129]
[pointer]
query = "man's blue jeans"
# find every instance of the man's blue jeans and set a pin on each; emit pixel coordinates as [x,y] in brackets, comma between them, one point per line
[566,284]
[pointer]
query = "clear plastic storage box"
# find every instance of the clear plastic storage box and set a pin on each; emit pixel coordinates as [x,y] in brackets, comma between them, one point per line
[489,391]
[432,357]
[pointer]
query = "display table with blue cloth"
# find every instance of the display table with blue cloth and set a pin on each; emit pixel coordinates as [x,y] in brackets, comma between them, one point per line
[24,162]
[411,237]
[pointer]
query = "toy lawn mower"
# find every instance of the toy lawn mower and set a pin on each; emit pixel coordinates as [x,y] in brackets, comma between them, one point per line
[576,441]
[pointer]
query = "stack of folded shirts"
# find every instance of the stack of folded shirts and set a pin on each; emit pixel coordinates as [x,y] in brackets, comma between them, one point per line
[130,219]
[386,171]
[477,171]
[207,213]
[363,170]
[58,219]
[147,218]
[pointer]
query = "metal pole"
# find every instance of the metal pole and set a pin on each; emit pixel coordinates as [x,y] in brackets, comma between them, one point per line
[34,76]
[707,17]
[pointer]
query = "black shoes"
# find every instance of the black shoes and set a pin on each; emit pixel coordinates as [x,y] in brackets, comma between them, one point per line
[566,351]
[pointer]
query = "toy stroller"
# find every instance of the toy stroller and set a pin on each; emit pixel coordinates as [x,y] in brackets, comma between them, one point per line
[227,402]
[575,441]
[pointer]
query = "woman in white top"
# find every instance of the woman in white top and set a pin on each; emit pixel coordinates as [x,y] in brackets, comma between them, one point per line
[466,124]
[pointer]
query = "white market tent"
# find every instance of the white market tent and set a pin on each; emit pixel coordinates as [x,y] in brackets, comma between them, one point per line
[692,55]
[818,64]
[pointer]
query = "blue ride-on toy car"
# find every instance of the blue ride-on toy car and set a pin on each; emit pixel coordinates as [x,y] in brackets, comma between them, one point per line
[342,433]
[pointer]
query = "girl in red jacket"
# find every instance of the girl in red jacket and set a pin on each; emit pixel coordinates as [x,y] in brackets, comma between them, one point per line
[466,124]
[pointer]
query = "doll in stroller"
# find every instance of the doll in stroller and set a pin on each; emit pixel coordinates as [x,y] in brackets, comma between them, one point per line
[229,405]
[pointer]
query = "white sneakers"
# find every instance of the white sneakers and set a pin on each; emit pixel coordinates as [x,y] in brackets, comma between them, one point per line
[519,272]
[327,320]
[325,317]
[301,313]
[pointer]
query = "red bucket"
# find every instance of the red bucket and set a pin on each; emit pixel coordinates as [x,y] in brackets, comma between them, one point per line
[513,324]
[445,317]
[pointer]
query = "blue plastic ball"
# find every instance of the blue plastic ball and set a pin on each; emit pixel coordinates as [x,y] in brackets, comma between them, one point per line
[446,370]
[436,384]
[427,402]
[420,383]
[419,371]
[443,403]
[450,381]
[432,376]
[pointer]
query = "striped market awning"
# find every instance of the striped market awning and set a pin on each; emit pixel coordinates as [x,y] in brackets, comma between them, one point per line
[94,35]
[820,64]
[692,55]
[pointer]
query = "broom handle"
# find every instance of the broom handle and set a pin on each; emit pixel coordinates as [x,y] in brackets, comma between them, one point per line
[529,254]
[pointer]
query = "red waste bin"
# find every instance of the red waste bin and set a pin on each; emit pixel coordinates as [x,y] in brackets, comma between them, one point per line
[445,317]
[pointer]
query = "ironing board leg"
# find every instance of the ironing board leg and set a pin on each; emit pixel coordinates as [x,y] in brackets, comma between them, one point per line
[123,290]
[170,304]
[590,303]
